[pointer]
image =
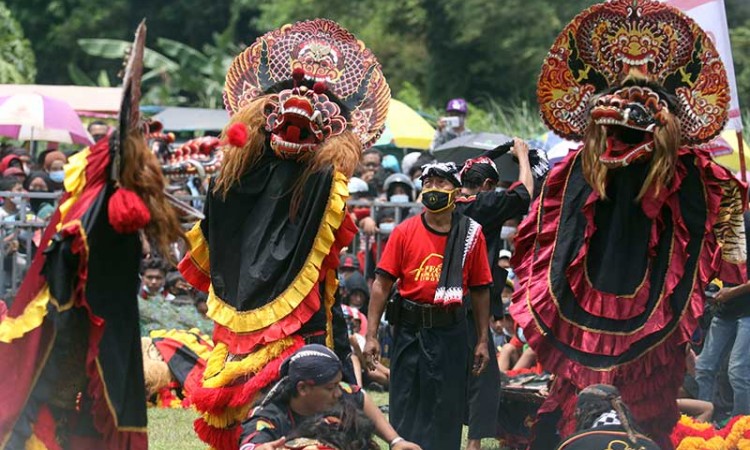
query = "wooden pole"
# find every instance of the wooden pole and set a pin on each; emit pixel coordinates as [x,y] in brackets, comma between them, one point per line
[741,146]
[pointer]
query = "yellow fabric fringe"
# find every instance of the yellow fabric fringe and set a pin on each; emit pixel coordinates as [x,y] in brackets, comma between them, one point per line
[12,328]
[34,443]
[229,417]
[292,297]
[332,285]
[75,181]
[188,338]
[220,372]
[199,249]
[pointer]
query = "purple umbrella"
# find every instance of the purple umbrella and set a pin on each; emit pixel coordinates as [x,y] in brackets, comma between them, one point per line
[34,117]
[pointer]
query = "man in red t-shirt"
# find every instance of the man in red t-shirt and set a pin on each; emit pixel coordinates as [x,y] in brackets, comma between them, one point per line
[437,258]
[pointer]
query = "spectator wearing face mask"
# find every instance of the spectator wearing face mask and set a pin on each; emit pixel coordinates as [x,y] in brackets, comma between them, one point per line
[39,182]
[11,245]
[398,188]
[54,162]
[97,129]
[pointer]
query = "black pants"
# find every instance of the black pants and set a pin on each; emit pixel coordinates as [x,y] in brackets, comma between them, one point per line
[482,392]
[428,385]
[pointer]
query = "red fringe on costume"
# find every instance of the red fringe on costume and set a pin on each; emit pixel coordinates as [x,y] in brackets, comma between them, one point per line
[650,383]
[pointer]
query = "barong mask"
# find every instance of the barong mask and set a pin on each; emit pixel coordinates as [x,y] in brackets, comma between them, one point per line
[629,115]
[611,42]
[300,119]
[320,81]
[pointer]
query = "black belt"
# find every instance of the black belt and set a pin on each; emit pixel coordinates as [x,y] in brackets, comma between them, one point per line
[423,315]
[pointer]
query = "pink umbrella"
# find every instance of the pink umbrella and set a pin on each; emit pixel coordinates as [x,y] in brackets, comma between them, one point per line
[34,117]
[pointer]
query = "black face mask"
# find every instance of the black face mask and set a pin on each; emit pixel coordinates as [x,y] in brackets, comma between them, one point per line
[437,200]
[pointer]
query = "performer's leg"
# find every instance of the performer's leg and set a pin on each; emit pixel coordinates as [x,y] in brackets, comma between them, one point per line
[405,377]
[739,368]
[720,333]
[483,400]
[443,387]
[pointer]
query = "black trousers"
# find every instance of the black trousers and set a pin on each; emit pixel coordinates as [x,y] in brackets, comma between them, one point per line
[428,385]
[483,391]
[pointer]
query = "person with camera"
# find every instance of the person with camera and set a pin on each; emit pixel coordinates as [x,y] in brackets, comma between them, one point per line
[453,124]
[437,258]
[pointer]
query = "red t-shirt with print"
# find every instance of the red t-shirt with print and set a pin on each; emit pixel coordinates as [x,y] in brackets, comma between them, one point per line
[414,256]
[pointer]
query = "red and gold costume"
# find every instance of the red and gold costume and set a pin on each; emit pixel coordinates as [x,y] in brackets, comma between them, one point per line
[629,229]
[70,344]
[304,101]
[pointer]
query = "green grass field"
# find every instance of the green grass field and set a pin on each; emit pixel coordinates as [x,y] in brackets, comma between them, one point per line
[170,429]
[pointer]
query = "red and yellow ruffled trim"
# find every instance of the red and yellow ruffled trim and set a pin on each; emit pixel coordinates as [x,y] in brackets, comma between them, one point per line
[299,289]
[189,338]
[221,372]
[12,328]
[196,265]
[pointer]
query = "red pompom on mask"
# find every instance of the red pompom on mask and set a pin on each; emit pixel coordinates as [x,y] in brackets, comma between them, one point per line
[237,135]
[298,74]
[319,87]
[127,212]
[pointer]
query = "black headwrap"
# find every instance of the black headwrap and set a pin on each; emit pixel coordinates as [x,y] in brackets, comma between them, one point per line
[314,363]
[483,166]
[447,170]
[597,399]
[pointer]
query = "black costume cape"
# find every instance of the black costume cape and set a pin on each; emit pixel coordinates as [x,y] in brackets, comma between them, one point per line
[72,367]
[271,281]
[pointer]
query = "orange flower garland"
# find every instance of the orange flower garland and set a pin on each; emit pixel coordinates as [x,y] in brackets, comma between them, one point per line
[691,435]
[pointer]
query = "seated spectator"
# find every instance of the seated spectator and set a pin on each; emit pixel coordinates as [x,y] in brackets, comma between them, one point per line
[687,401]
[516,354]
[376,379]
[153,279]
[604,421]
[357,293]
[502,330]
[310,384]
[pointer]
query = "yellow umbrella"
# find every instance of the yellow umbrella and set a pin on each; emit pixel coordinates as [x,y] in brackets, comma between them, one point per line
[405,128]
[732,160]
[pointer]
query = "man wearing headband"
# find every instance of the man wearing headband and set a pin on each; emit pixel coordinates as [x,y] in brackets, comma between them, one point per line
[437,258]
[604,421]
[491,209]
[310,384]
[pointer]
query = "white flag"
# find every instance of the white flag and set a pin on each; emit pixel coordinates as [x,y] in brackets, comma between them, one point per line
[712,17]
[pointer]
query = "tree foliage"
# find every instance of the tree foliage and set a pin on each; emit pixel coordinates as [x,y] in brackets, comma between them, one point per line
[16,57]
[488,52]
